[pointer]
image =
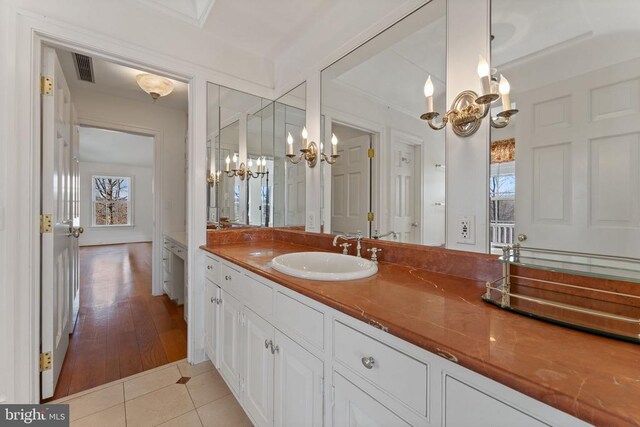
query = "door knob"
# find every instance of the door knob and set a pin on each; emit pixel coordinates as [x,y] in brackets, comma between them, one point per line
[76,232]
[522,237]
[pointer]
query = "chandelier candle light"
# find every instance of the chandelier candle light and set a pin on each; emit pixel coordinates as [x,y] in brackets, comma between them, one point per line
[240,170]
[468,109]
[309,150]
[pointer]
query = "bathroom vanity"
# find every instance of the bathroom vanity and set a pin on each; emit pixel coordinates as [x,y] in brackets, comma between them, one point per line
[403,347]
[174,268]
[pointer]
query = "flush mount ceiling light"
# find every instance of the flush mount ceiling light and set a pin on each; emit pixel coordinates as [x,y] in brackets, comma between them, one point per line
[155,86]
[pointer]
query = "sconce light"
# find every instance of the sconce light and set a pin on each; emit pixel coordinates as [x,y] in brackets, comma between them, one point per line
[309,150]
[241,170]
[213,178]
[468,109]
[155,86]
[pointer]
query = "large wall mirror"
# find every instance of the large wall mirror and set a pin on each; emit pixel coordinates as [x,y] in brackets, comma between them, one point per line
[389,181]
[240,149]
[290,187]
[566,174]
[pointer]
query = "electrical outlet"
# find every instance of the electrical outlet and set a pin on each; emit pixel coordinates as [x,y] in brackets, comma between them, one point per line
[466,230]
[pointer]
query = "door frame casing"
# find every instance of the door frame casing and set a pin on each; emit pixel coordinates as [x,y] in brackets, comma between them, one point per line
[23,262]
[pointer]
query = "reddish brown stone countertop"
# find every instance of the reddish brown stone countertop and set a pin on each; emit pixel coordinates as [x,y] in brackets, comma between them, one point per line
[594,378]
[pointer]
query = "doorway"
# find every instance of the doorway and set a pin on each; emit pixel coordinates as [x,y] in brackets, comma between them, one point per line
[131,192]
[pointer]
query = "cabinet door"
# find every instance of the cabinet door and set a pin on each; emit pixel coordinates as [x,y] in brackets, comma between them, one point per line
[258,372]
[465,406]
[354,408]
[298,385]
[212,301]
[230,341]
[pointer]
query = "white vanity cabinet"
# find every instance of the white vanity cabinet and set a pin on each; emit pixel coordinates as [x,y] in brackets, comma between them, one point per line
[292,361]
[276,380]
[174,264]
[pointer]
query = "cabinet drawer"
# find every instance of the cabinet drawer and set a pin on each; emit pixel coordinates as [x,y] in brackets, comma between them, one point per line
[399,375]
[230,279]
[465,406]
[212,269]
[258,296]
[301,319]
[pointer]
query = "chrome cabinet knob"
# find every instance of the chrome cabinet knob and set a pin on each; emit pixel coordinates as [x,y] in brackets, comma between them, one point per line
[275,349]
[267,343]
[522,237]
[209,267]
[368,362]
[213,300]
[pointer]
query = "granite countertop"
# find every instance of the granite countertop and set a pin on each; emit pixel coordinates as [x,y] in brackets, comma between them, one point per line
[594,378]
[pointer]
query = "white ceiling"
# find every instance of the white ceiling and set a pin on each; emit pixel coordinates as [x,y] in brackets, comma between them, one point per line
[192,11]
[119,80]
[108,146]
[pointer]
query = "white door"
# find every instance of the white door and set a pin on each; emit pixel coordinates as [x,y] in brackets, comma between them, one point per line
[578,163]
[298,385]
[355,408]
[230,340]
[350,177]
[212,301]
[258,375]
[75,215]
[404,191]
[58,246]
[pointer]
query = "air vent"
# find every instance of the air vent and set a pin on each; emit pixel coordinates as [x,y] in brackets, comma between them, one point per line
[84,67]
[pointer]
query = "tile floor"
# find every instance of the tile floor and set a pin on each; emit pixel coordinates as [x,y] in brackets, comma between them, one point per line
[177,394]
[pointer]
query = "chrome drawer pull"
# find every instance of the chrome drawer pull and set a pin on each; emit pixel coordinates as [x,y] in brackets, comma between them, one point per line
[368,362]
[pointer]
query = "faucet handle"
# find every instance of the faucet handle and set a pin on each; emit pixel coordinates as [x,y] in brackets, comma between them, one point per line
[374,254]
[345,248]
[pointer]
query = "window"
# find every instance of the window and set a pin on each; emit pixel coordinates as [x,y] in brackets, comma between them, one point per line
[112,198]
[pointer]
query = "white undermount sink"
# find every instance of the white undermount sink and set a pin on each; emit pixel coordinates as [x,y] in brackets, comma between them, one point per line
[324,266]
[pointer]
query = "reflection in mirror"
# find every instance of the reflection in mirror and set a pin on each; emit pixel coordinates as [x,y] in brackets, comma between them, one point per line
[240,149]
[566,174]
[389,180]
[289,185]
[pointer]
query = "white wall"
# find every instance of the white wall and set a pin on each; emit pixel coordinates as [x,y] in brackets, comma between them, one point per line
[141,190]
[170,127]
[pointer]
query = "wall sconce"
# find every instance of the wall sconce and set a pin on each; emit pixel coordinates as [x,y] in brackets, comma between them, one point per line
[213,178]
[309,151]
[241,170]
[468,109]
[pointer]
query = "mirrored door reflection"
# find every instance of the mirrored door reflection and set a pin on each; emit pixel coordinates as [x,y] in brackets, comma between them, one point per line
[389,181]
[566,173]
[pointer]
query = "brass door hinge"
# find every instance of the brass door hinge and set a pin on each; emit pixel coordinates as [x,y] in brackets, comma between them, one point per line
[371,153]
[370,216]
[45,223]
[45,361]
[46,85]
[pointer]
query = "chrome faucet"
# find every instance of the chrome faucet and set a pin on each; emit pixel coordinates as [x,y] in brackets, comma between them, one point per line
[357,237]
[376,235]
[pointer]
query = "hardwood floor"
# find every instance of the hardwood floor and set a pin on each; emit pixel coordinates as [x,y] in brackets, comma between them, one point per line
[121,329]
